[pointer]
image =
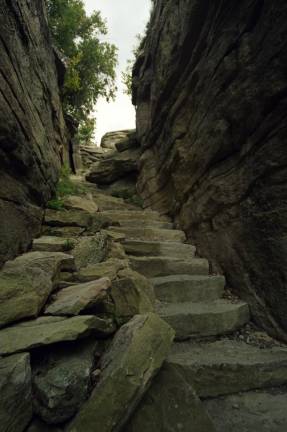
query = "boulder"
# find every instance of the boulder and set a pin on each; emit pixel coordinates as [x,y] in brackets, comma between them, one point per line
[52,244]
[71,218]
[50,330]
[62,380]
[108,268]
[131,294]
[77,299]
[171,405]
[84,203]
[134,357]
[27,282]
[15,393]
[110,139]
[90,250]
[114,167]
[210,92]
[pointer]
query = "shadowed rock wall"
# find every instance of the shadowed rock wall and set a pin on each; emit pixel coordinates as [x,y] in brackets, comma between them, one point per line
[32,129]
[210,88]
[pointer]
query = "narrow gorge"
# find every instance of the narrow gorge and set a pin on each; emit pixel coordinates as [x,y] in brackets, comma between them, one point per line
[143,282]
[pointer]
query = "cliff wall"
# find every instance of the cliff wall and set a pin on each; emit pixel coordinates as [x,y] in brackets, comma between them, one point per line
[32,129]
[210,88]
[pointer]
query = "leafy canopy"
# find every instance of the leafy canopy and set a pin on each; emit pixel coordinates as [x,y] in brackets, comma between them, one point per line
[91,61]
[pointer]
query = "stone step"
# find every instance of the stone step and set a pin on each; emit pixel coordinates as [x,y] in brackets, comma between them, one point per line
[188,288]
[52,244]
[142,215]
[255,411]
[141,233]
[229,366]
[135,223]
[155,248]
[152,267]
[190,320]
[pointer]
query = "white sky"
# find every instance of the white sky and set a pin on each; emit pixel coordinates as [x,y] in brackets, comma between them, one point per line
[125,19]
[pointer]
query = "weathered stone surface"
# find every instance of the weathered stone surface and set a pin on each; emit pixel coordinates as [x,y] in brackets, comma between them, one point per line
[109,269]
[228,366]
[32,129]
[52,244]
[50,330]
[150,233]
[90,250]
[26,283]
[110,139]
[62,380]
[113,167]
[15,393]
[212,318]
[85,203]
[259,411]
[136,354]
[71,218]
[155,248]
[77,299]
[91,154]
[66,231]
[172,405]
[129,143]
[132,294]
[210,90]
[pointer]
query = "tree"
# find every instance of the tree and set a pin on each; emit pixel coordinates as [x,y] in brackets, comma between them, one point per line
[91,62]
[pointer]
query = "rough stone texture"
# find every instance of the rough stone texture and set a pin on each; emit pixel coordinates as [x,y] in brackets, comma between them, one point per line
[210,90]
[39,426]
[135,356]
[110,139]
[62,380]
[15,393]
[50,330]
[32,129]
[90,250]
[85,203]
[26,283]
[170,405]
[253,411]
[77,299]
[109,268]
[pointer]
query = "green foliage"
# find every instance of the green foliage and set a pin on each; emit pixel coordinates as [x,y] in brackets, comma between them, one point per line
[91,62]
[69,245]
[127,73]
[64,187]
[87,130]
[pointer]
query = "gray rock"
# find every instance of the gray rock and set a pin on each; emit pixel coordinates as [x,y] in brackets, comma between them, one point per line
[52,244]
[77,299]
[71,218]
[90,250]
[211,120]
[110,139]
[32,129]
[62,380]
[171,405]
[135,356]
[26,283]
[15,393]
[50,330]
[260,411]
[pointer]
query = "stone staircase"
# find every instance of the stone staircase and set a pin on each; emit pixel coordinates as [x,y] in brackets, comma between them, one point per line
[210,351]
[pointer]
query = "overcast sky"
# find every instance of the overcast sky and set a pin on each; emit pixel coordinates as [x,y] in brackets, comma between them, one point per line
[125,19]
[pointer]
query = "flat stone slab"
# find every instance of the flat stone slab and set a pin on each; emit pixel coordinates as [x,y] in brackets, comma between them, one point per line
[188,288]
[26,283]
[171,405]
[142,215]
[52,244]
[227,366]
[50,330]
[157,248]
[134,223]
[204,319]
[108,268]
[165,266]
[84,203]
[15,393]
[142,233]
[79,298]
[135,356]
[260,411]
[68,218]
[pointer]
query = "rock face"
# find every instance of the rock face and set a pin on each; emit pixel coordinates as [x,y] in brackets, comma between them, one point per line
[210,90]
[32,129]
[111,139]
[15,393]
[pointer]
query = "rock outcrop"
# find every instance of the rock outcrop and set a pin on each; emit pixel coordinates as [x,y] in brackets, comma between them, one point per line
[32,128]
[210,90]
